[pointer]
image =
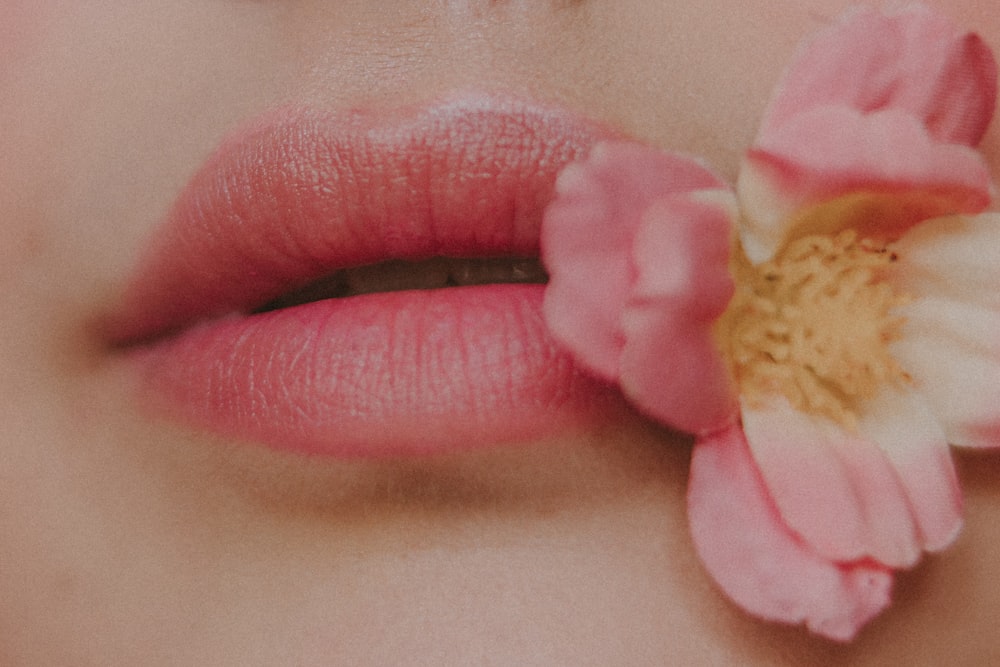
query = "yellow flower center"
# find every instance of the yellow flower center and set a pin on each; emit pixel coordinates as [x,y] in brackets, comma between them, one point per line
[814,325]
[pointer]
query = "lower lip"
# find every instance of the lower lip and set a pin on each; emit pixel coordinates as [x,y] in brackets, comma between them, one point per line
[400,373]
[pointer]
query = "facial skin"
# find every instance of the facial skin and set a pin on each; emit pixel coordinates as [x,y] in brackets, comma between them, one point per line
[127,540]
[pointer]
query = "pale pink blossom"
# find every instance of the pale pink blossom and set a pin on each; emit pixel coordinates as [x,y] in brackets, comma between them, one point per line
[825,329]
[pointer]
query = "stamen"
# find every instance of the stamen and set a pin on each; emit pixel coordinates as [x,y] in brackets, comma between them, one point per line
[814,325]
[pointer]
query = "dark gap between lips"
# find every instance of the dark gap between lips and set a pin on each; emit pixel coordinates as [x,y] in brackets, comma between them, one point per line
[399,275]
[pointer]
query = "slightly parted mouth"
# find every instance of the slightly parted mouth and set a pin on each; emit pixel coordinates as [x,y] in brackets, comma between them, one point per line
[363,284]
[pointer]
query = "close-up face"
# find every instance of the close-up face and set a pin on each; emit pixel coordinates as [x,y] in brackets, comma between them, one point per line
[233,432]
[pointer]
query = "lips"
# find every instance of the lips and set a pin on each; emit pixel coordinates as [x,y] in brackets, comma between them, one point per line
[221,322]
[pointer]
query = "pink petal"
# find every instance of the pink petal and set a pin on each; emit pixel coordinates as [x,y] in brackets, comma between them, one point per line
[833,488]
[759,562]
[831,168]
[916,62]
[911,438]
[951,336]
[671,367]
[588,235]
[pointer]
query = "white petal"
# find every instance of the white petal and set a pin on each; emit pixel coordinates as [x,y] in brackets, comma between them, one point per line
[912,439]
[955,258]
[835,488]
[952,352]
[951,342]
[766,209]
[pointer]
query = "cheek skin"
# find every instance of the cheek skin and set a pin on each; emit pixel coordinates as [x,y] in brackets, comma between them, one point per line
[19,20]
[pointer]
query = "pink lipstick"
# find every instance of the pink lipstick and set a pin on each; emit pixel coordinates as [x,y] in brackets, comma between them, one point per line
[231,324]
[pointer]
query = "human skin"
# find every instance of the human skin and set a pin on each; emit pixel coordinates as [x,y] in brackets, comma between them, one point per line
[126,539]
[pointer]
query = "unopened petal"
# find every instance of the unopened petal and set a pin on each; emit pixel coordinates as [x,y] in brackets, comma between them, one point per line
[588,233]
[760,564]
[832,487]
[832,168]
[671,367]
[915,61]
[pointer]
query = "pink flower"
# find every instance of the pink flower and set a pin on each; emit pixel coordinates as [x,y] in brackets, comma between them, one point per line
[825,330]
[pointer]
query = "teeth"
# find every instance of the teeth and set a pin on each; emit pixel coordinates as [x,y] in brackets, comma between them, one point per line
[399,275]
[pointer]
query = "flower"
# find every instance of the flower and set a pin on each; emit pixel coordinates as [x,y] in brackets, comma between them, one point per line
[825,329]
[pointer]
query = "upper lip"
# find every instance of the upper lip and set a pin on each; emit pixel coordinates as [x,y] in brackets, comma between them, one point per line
[302,192]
